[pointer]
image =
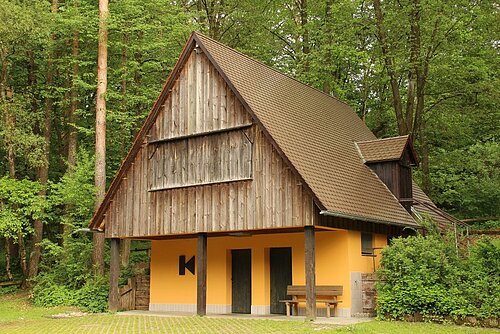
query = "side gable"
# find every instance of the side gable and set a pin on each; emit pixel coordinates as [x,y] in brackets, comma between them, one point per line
[388,149]
[184,178]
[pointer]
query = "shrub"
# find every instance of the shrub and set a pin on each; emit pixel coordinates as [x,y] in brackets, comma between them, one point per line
[426,276]
[46,293]
[417,276]
[93,296]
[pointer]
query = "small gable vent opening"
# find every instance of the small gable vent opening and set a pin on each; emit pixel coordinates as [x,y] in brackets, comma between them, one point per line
[392,160]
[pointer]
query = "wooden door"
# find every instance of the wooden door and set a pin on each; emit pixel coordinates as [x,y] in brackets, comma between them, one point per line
[280,261]
[241,280]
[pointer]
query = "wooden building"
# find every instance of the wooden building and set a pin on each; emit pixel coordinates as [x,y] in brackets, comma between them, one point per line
[247,181]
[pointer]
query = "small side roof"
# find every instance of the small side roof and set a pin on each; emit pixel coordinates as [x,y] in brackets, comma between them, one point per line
[386,149]
[423,206]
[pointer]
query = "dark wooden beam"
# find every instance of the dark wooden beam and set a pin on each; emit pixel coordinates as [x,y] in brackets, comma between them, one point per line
[201,275]
[200,134]
[114,274]
[310,263]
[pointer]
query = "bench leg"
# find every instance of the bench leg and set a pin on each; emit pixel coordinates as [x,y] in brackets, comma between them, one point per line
[327,310]
[287,309]
[296,306]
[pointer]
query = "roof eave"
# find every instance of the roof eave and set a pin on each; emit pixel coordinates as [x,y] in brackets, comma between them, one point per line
[367,219]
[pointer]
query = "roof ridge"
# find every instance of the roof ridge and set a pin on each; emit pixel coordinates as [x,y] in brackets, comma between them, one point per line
[271,68]
[382,139]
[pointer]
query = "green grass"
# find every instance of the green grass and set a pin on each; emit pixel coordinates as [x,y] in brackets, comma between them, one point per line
[17,307]
[17,315]
[397,327]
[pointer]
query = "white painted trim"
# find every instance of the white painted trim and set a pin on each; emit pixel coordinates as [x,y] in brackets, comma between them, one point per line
[261,309]
[190,308]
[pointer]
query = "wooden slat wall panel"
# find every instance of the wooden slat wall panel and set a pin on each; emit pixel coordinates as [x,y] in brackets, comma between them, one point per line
[200,101]
[219,157]
[272,198]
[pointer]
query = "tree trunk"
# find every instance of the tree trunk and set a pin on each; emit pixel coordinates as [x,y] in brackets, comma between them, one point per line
[100,131]
[8,269]
[43,171]
[327,35]
[305,34]
[424,160]
[9,122]
[125,251]
[389,64]
[10,119]
[72,118]
[22,260]
[72,131]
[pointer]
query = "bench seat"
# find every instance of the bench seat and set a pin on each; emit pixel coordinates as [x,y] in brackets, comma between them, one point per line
[297,292]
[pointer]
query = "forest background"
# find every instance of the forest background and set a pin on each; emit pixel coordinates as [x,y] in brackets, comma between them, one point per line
[427,68]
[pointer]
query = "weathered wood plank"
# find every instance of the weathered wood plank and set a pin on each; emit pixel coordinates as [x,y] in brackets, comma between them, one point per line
[203,139]
[114,274]
[310,271]
[201,275]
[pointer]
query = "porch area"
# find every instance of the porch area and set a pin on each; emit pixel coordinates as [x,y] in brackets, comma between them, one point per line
[247,274]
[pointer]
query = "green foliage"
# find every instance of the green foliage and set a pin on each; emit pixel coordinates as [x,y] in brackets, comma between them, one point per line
[7,290]
[76,191]
[425,275]
[93,296]
[19,204]
[47,293]
[470,188]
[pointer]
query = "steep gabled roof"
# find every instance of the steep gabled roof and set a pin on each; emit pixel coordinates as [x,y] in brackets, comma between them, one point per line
[386,149]
[314,132]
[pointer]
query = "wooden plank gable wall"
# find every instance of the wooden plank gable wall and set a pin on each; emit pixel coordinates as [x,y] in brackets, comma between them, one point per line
[206,167]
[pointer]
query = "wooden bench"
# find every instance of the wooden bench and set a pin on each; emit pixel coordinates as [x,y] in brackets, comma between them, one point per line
[324,294]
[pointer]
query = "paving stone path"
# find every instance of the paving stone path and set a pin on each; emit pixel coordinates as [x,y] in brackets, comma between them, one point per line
[136,324]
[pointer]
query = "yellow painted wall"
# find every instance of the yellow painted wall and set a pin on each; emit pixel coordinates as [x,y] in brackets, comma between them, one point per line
[337,254]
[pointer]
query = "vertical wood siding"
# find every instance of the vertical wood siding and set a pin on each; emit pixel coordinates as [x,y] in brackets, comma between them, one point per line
[226,181]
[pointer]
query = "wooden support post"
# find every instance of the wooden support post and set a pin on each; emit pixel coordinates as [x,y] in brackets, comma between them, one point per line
[310,263]
[114,274]
[201,275]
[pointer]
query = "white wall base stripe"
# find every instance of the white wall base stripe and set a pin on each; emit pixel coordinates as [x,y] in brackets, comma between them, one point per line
[261,309]
[226,309]
[189,308]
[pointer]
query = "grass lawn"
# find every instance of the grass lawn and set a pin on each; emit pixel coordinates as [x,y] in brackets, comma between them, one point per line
[18,316]
[17,308]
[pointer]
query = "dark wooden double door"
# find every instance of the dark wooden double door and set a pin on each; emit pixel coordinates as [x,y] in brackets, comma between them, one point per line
[280,261]
[241,280]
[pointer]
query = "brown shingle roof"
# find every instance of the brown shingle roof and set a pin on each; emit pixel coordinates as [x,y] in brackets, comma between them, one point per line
[383,149]
[316,133]
[425,207]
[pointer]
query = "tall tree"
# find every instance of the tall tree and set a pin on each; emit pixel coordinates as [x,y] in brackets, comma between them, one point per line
[100,130]
[43,170]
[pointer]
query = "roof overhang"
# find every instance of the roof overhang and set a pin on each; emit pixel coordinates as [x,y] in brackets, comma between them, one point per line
[366,219]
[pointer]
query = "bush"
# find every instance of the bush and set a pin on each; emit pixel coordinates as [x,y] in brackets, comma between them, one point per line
[93,296]
[49,294]
[425,276]
[481,280]
[416,277]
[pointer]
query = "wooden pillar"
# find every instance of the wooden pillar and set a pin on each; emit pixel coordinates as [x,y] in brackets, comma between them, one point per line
[114,274]
[201,275]
[310,263]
